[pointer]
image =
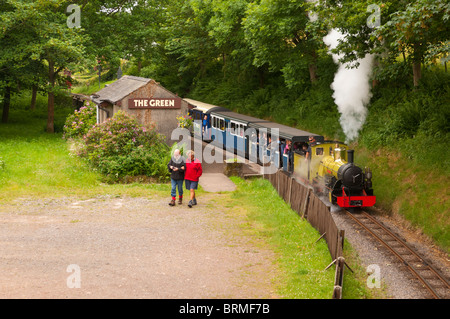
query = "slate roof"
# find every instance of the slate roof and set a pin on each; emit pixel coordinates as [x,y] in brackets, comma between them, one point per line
[116,91]
[204,107]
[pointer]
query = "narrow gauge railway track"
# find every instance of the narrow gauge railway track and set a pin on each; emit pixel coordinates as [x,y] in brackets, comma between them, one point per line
[429,277]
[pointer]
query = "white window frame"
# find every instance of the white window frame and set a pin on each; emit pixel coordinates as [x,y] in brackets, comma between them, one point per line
[214,122]
[240,128]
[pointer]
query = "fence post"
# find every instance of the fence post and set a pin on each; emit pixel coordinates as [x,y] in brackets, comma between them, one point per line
[290,190]
[341,240]
[306,204]
[338,278]
[278,182]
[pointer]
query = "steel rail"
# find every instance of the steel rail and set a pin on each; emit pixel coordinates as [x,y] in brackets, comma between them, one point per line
[414,270]
[430,267]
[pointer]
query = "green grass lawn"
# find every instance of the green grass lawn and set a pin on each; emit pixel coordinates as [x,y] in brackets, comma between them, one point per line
[88,83]
[92,88]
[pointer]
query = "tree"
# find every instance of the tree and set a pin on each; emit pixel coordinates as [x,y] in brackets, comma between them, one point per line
[283,35]
[421,29]
[10,57]
[187,36]
[225,28]
[144,21]
[59,45]
[416,29]
[37,32]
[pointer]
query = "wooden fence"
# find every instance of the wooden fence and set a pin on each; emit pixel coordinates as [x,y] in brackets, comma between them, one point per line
[302,200]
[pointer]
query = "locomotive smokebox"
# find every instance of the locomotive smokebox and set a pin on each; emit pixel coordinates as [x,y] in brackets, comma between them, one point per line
[350,156]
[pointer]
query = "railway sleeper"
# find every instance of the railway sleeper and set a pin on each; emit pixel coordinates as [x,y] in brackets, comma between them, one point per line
[399,247]
[411,259]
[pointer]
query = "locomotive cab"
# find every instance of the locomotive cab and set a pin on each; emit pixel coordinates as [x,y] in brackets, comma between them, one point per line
[307,169]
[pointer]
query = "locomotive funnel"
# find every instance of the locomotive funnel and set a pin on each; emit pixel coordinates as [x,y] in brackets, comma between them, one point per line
[350,156]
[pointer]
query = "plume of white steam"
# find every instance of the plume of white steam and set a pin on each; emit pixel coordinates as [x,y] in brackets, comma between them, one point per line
[351,89]
[312,16]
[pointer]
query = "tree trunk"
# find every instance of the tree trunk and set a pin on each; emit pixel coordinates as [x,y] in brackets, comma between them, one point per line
[312,66]
[139,65]
[6,104]
[51,97]
[224,60]
[376,64]
[33,97]
[417,72]
[261,76]
[312,72]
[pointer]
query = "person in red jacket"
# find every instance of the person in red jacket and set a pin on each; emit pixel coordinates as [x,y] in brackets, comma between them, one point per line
[192,175]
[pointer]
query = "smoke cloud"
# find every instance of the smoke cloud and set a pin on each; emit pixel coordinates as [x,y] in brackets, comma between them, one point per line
[351,89]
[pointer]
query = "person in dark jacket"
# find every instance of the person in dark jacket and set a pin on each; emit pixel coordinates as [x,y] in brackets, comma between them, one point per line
[177,167]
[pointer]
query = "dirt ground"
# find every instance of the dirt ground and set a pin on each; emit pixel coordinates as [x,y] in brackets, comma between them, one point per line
[107,247]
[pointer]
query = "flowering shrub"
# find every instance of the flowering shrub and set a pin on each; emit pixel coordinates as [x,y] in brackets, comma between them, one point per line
[121,147]
[185,121]
[80,122]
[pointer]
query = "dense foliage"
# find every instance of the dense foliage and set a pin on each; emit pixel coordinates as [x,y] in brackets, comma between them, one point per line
[264,58]
[249,45]
[81,121]
[121,147]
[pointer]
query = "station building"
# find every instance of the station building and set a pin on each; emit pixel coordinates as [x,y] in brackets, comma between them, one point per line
[143,98]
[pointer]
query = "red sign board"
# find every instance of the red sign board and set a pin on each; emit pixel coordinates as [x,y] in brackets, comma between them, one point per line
[154,103]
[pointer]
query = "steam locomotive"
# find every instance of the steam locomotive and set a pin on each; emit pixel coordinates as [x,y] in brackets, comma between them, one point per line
[328,166]
[337,176]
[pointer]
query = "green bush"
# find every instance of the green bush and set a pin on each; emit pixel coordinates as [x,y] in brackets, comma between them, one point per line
[79,123]
[122,147]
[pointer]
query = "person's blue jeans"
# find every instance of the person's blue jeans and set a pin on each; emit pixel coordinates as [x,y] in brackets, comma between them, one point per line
[177,183]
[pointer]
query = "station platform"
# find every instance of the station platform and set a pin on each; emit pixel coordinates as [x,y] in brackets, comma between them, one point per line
[216,182]
[213,178]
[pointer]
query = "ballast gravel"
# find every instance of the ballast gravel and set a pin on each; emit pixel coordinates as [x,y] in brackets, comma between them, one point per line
[396,278]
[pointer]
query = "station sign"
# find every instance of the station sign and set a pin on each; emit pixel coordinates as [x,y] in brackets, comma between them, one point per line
[154,103]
